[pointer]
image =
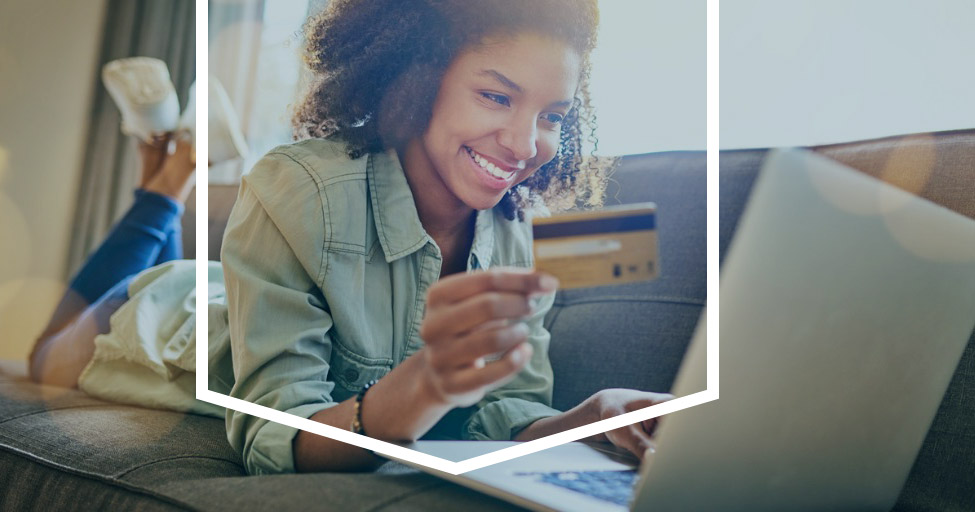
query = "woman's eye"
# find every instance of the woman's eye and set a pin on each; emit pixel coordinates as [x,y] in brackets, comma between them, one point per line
[553,117]
[500,99]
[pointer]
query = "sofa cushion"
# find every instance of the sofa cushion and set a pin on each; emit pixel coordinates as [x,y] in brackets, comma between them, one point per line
[402,489]
[940,167]
[59,445]
[60,449]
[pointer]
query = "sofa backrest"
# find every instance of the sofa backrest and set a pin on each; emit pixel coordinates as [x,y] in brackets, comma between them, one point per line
[635,335]
[939,167]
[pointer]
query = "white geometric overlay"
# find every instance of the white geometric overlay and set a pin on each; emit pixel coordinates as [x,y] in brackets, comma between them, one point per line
[382,447]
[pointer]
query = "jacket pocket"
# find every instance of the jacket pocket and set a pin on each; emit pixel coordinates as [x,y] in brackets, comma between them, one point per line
[351,371]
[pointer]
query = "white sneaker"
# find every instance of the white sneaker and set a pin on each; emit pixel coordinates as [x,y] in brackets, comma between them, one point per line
[144,93]
[226,139]
[186,129]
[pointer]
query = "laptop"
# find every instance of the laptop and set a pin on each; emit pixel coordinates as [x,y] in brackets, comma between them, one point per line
[846,305]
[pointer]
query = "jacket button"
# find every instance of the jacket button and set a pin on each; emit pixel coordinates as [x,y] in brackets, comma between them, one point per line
[352,375]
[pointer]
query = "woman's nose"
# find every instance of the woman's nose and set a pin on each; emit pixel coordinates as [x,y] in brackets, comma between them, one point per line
[520,138]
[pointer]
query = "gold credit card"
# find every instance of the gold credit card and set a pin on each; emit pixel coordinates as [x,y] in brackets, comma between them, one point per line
[596,248]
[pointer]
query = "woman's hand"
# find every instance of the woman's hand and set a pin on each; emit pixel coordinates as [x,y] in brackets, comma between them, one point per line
[474,339]
[469,318]
[610,403]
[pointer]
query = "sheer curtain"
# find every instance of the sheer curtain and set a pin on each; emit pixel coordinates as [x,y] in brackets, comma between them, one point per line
[167,31]
[254,51]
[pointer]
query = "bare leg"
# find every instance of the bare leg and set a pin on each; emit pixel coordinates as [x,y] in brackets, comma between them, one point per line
[175,178]
[59,358]
[181,165]
[100,288]
[153,154]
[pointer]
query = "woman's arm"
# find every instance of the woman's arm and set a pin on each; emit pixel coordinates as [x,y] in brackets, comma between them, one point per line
[582,414]
[400,407]
[467,319]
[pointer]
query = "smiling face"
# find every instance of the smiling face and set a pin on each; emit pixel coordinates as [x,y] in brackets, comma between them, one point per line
[496,120]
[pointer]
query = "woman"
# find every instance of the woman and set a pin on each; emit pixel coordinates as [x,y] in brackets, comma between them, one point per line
[436,127]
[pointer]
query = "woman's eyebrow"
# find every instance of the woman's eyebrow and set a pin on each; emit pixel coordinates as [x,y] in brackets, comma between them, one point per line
[505,81]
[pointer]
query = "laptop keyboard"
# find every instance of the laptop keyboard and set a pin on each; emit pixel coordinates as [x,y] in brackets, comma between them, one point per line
[613,486]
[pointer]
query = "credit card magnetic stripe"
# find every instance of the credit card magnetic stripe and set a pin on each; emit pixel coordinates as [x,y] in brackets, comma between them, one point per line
[641,222]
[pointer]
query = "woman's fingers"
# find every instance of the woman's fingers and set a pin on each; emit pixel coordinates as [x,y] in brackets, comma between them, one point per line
[468,318]
[466,350]
[646,399]
[491,375]
[631,438]
[649,425]
[456,319]
[463,303]
[634,438]
[458,287]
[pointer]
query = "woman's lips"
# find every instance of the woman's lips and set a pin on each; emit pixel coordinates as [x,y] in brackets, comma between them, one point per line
[490,174]
[496,169]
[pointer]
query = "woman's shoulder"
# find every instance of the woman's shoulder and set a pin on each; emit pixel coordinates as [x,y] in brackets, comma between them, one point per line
[314,193]
[320,160]
[313,173]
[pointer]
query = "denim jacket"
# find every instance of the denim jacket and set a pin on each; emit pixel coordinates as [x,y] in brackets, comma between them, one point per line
[327,267]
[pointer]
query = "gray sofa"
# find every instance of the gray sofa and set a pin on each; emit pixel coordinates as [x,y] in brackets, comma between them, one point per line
[60,449]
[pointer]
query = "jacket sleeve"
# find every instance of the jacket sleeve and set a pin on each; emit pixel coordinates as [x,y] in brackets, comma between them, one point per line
[274,260]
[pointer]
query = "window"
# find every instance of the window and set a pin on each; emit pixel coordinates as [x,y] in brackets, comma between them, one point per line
[255,52]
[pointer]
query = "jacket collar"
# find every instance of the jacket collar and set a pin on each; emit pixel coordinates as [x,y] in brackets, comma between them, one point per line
[483,245]
[397,221]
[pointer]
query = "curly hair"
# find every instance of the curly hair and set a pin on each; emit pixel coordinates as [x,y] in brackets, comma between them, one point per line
[377,66]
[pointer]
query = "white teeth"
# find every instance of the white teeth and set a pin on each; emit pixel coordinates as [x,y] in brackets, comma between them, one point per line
[488,166]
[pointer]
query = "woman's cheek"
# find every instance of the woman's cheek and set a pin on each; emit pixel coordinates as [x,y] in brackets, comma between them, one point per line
[547,148]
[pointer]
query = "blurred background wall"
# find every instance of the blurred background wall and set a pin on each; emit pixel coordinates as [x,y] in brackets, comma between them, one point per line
[805,72]
[48,56]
